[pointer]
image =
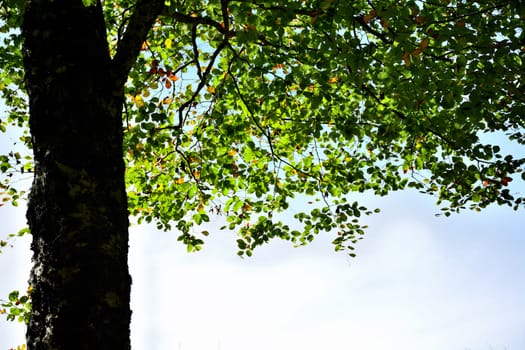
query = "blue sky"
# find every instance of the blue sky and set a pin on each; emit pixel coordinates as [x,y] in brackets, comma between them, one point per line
[418,282]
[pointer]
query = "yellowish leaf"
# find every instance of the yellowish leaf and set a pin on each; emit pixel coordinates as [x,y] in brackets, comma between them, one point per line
[180,181]
[333,80]
[154,85]
[138,101]
[168,43]
[210,89]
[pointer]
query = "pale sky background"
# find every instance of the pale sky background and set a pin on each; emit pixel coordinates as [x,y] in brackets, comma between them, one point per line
[418,282]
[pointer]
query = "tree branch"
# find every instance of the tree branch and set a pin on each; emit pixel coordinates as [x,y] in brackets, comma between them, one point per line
[264,132]
[368,29]
[140,23]
[196,50]
[203,81]
[189,19]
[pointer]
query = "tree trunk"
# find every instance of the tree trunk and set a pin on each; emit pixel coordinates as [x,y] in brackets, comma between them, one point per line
[77,206]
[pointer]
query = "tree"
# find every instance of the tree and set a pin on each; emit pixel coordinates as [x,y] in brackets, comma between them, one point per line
[173,111]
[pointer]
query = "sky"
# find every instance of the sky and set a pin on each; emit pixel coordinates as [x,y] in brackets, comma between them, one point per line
[418,282]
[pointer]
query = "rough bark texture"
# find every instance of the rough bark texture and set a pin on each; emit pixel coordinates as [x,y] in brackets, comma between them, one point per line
[77,207]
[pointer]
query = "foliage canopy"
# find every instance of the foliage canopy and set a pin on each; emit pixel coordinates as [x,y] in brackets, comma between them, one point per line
[235,108]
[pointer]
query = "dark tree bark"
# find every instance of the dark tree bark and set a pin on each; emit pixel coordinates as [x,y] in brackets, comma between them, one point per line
[77,209]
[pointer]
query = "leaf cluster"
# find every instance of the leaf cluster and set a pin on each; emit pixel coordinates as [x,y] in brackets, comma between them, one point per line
[270,115]
[274,102]
[17,307]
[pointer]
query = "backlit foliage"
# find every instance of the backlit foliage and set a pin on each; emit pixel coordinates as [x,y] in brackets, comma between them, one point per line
[245,109]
